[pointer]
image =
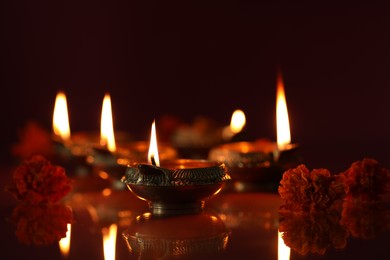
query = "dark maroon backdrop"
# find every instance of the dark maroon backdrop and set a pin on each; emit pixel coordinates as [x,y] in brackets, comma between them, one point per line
[192,58]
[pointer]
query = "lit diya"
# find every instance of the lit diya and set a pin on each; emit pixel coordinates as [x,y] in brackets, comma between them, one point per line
[261,160]
[176,186]
[256,161]
[68,152]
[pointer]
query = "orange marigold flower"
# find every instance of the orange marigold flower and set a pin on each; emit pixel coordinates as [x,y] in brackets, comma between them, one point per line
[309,192]
[37,180]
[366,180]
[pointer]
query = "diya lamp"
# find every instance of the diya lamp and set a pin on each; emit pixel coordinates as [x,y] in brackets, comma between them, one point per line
[103,153]
[104,157]
[232,132]
[61,127]
[261,161]
[110,159]
[195,140]
[177,186]
[67,153]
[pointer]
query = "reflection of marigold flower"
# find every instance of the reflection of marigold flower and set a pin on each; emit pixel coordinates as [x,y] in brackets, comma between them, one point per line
[33,139]
[38,181]
[365,220]
[41,224]
[366,180]
[310,192]
[313,233]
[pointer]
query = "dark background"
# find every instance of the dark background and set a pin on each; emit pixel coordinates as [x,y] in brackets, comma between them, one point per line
[190,58]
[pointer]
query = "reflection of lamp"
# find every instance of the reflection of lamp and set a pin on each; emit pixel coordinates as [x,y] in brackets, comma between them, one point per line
[199,235]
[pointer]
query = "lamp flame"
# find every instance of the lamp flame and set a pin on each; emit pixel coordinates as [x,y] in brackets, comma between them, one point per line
[64,243]
[238,121]
[153,149]
[283,250]
[60,117]
[109,241]
[282,122]
[107,137]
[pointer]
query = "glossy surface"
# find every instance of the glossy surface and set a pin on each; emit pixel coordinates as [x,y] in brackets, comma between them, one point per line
[232,225]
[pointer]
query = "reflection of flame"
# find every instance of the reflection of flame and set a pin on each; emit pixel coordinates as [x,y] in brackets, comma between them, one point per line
[153,149]
[64,243]
[107,137]
[282,122]
[109,241]
[283,250]
[60,117]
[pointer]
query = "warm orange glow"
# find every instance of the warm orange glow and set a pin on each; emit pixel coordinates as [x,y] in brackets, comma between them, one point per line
[64,243]
[107,137]
[104,175]
[106,192]
[109,241]
[283,250]
[282,121]
[60,117]
[153,149]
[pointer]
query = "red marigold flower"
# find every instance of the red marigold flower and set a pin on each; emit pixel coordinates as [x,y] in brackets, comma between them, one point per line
[37,180]
[366,180]
[41,224]
[309,192]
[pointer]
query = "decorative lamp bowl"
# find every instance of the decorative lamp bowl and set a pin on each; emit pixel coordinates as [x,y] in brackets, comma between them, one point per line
[254,162]
[177,186]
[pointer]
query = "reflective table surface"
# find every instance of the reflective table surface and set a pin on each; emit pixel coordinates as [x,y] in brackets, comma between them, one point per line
[111,223]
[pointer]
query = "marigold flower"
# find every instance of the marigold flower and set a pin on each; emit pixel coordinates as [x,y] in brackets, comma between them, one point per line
[37,180]
[366,180]
[309,192]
